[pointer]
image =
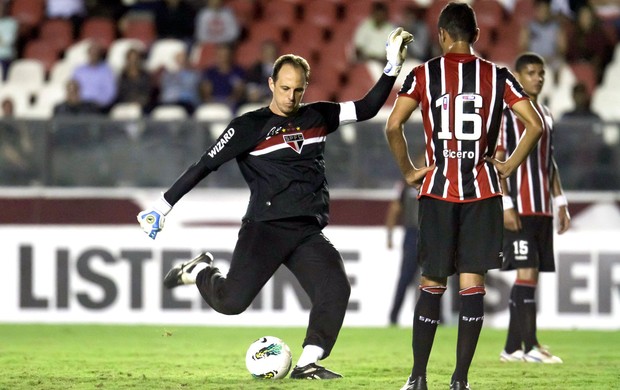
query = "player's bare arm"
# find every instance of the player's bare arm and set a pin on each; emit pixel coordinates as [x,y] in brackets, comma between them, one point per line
[395,132]
[559,200]
[511,216]
[533,130]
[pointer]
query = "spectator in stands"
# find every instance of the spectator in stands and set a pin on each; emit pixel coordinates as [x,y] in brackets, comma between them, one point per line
[217,23]
[224,82]
[73,10]
[544,35]
[175,19]
[8,37]
[16,161]
[589,42]
[74,104]
[180,86]
[257,89]
[582,100]
[135,84]
[413,22]
[369,36]
[96,79]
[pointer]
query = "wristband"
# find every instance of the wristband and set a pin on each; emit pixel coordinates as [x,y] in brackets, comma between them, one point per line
[162,205]
[507,203]
[560,200]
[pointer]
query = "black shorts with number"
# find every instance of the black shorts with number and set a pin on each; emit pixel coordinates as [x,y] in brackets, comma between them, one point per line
[532,246]
[460,237]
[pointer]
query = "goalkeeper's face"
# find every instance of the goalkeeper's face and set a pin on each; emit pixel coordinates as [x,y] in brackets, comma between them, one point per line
[288,90]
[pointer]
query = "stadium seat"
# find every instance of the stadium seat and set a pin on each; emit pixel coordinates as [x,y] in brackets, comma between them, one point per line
[307,35]
[247,107]
[126,111]
[246,53]
[61,73]
[262,30]
[202,55]
[213,112]
[77,54]
[585,73]
[42,51]
[245,11]
[100,29]
[46,98]
[168,112]
[605,103]
[19,96]
[321,13]
[141,28]
[27,74]
[58,32]
[281,13]
[118,51]
[489,14]
[29,14]
[162,54]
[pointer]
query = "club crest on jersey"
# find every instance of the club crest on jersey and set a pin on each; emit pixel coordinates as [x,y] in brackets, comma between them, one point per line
[295,141]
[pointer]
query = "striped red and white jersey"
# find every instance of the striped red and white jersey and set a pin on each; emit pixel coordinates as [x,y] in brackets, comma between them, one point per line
[462,98]
[529,186]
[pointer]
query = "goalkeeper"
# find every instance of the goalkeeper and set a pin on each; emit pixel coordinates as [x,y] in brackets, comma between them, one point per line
[279,150]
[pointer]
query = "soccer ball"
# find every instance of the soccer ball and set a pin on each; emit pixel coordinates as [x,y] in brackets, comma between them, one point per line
[268,358]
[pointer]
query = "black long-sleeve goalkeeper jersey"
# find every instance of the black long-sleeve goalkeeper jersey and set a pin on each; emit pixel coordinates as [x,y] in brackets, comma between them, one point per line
[281,158]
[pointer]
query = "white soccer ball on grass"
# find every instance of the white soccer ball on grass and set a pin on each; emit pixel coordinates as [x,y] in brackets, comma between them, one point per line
[268,358]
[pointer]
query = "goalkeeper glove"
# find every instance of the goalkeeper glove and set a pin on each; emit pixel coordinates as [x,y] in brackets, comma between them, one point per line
[152,219]
[396,50]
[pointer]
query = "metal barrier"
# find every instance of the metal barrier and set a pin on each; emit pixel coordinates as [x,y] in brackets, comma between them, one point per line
[99,152]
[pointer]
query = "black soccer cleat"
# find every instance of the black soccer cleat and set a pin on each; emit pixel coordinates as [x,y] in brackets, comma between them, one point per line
[182,273]
[313,371]
[459,385]
[417,383]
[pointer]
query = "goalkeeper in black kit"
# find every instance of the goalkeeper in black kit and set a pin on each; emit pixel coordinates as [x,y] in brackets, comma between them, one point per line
[280,151]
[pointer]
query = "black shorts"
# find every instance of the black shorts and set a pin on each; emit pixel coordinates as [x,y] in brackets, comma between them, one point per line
[532,247]
[460,237]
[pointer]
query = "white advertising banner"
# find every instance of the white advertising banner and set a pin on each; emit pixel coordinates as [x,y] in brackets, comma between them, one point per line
[95,274]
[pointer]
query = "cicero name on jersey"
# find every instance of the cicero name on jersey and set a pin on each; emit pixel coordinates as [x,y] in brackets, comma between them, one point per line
[226,136]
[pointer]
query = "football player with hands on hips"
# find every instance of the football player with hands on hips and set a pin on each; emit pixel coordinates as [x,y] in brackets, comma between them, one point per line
[461,97]
[529,197]
[279,150]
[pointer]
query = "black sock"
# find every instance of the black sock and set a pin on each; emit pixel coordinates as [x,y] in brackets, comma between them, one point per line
[526,311]
[425,321]
[513,339]
[471,316]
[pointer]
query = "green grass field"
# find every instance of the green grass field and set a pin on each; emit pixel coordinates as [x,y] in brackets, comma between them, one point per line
[180,357]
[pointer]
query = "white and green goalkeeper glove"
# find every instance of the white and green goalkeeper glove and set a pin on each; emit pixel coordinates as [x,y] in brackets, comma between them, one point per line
[396,50]
[152,219]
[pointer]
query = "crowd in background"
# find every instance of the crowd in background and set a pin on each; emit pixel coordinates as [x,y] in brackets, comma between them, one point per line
[229,45]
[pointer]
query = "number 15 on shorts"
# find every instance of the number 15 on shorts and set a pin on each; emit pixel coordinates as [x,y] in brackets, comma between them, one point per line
[521,249]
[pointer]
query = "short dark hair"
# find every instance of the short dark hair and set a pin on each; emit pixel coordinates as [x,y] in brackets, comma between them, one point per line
[295,61]
[459,21]
[526,59]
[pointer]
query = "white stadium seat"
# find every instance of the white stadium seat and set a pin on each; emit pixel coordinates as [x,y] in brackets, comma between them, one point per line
[163,54]
[169,112]
[213,112]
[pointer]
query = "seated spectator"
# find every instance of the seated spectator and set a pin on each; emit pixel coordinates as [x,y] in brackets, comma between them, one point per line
[413,22]
[8,37]
[369,36]
[74,104]
[257,86]
[175,19]
[180,86]
[16,149]
[217,23]
[544,35]
[135,83]
[73,10]
[96,79]
[582,100]
[224,82]
[589,42]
